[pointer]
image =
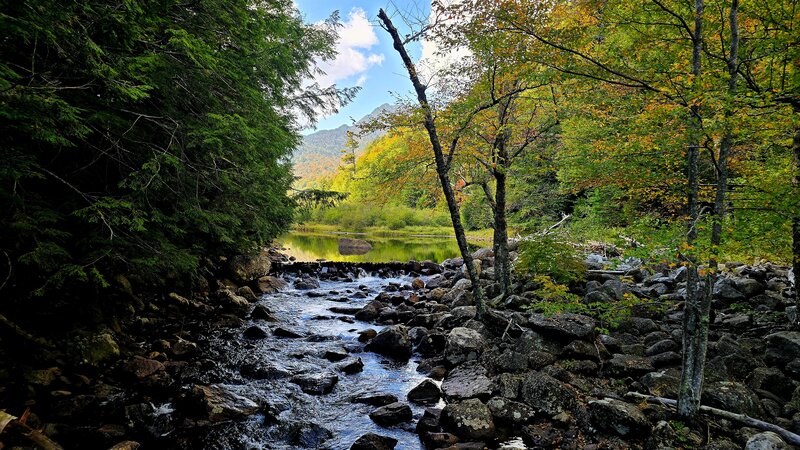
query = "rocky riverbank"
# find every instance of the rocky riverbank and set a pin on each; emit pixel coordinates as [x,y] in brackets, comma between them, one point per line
[273,356]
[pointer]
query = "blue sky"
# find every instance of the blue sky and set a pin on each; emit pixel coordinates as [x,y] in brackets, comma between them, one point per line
[366,57]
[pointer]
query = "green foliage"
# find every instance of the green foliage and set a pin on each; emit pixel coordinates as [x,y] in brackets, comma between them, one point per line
[356,216]
[555,298]
[549,255]
[143,137]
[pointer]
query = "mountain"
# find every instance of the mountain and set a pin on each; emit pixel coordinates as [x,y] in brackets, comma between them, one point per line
[321,152]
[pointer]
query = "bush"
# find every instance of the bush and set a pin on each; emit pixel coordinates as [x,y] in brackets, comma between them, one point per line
[550,256]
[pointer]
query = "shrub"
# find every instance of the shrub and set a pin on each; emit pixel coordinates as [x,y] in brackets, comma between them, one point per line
[550,256]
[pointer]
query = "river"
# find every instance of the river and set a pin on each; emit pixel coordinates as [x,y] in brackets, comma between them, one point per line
[315,246]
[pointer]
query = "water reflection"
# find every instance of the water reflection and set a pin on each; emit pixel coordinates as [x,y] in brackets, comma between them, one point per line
[314,246]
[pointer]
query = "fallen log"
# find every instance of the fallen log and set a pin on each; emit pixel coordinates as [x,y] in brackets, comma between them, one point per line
[11,424]
[744,419]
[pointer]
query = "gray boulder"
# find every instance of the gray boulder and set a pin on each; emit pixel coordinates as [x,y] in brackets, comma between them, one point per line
[391,414]
[510,412]
[463,344]
[425,393]
[569,326]
[467,381]
[222,404]
[545,394]
[246,268]
[782,347]
[765,441]
[372,441]
[619,417]
[316,383]
[469,420]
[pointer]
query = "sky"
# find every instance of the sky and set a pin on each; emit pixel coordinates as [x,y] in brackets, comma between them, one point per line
[366,57]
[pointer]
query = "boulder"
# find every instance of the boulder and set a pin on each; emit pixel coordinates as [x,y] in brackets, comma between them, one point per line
[261,312]
[255,332]
[221,404]
[140,368]
[468,380]
[372,441]
[97,350]
[509,412]
[351,365]
[463,344]
[725,289]
[619,417]
[270,284]
[306,283]
[765,441]
[425,393]
[246,268]
[569,326]
[375,399]
[782,347]
[628,365]
[749,287]
[316,383]
[545,394]
[185,349]
[469,420]
[732,396]
[349,246]
[391,414]
[392,341]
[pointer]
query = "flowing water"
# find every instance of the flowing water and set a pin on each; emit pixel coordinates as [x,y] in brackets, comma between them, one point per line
[330,421]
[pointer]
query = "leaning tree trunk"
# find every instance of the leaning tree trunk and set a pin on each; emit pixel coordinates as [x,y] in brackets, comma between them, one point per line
[441,165]
[697,309]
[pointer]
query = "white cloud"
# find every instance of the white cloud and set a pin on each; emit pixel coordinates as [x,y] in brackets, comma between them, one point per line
[356,39]
[432,60]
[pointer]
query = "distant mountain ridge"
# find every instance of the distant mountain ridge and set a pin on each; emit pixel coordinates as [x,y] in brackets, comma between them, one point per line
[320,152]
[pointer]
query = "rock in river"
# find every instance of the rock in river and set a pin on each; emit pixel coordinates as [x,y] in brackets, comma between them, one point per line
[222,404]
[469,420]
[392,341]
[391,414]
[316,383]
[372,441]
[425,393]
[468,380]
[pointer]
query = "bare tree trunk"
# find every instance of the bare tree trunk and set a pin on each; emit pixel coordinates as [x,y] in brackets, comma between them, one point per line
[441,165]
[502,269]
[697,309]
[796,217]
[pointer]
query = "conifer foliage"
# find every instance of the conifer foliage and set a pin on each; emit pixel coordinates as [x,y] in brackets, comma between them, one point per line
[140,137]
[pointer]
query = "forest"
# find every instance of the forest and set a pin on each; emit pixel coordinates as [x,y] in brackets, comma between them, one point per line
[632,169]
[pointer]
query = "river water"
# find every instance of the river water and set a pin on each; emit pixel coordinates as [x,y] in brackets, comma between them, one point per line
[314,246]
[330,421]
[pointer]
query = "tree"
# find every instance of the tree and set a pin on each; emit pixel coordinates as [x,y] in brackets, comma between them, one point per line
[140,139]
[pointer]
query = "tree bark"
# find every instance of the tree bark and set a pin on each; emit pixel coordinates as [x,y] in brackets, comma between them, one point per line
[796,216]
[697,309]
[441,165]
[502,264]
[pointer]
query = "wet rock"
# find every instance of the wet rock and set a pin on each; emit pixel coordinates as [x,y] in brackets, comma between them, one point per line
[439,440]
[229,301]
[417,284]
[782,347]
[372,441]
[732,396]
[335,355]
[261,312]
[246,268]
[628,365]
[286,333]
[570,326]
[185,349]
[247,293]
[463,344]
[366,335]
[367,314]
[260,371]
[309,435]
[425,393]
[140,368]
[316,383]
[765,441]
[306,283]
[468,380]
[509,412]
[434,343]
[469,420]
[221,404]
[429,422]
[376,399]
[270,285]
[619,417]
[351,365]
[546,394]
[392,341]
[255,332]
[391,414]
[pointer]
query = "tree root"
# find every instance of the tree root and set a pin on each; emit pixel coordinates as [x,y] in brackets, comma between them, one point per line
[744,419]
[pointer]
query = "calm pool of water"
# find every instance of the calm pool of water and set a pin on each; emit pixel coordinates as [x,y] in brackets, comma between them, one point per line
[314,246]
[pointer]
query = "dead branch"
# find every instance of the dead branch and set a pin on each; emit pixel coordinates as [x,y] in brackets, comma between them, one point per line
[11,424]
[23,334]
[787,435]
